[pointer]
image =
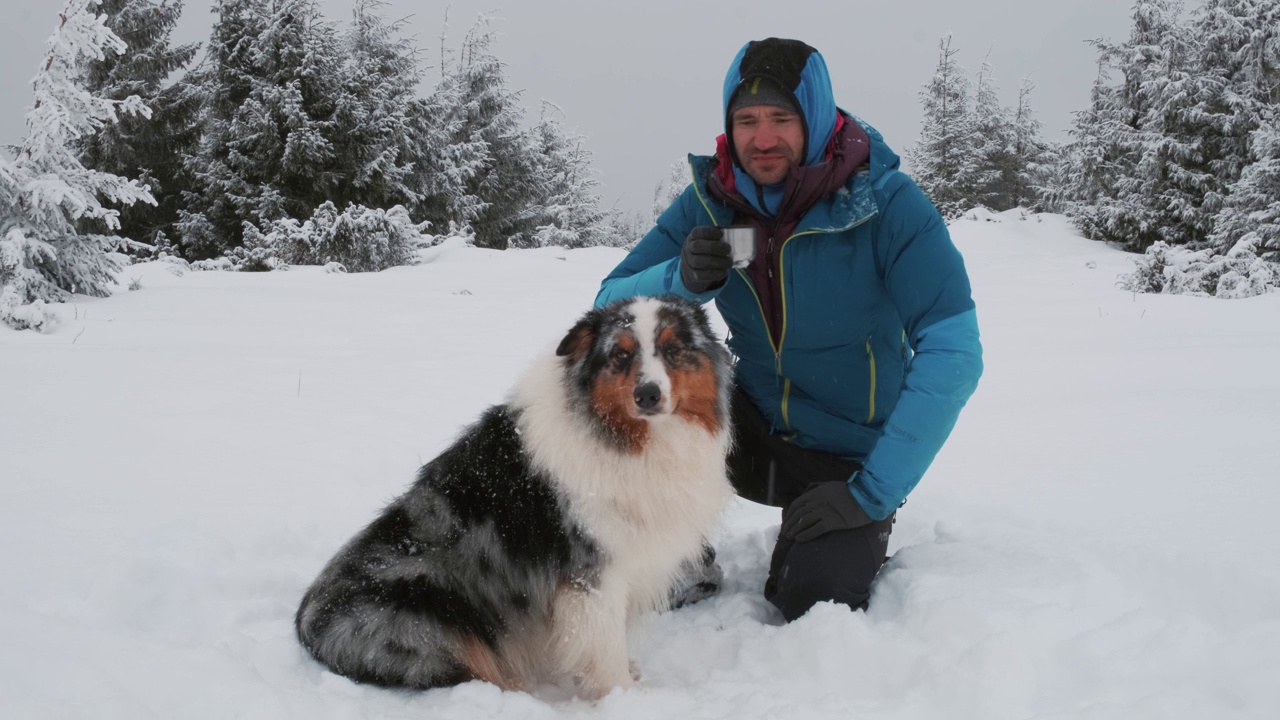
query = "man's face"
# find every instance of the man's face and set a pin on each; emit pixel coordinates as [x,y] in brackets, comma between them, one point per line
[769,141]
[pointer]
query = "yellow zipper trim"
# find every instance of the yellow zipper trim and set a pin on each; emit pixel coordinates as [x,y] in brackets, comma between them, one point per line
[782,336]
[871,400]
[693,175]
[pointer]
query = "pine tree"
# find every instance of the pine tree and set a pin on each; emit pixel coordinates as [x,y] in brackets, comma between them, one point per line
[267,151]
[1242,51]
[1115,180]
[1034,158]
[940,161]
[147,148]
[448,162]
[494,158]
[993,169]
[375,113]
[670,188]
[570,208]
[46,194]
[1091,163]
[1253,210]
[1177,175]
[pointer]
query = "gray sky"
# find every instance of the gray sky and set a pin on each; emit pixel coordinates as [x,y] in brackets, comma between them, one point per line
[641,80]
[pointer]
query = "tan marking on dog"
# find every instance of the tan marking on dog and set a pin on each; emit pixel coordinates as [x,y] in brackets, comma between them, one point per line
[693,389]
[613,397]
[484,664]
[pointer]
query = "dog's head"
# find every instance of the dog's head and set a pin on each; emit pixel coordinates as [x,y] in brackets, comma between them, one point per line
[644,360]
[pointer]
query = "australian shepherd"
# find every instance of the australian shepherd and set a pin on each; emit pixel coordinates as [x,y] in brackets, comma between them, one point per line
[522,554]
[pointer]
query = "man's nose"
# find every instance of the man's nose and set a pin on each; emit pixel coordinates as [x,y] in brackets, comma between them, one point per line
[766,137]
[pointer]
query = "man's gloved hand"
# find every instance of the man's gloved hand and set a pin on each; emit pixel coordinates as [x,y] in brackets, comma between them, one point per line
[705,259]
[820,509]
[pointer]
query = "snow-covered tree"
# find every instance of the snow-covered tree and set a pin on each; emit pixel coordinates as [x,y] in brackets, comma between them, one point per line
[1238,273]
[992,169]
[670,187]
[268,147]
[939,160]
[1242,53]
[1117,180]
[1181,125]
[571,215]
[375,113]
[47,194]
[493,157]
[1252,212]
[1034,157]
[149,149]
[357,239]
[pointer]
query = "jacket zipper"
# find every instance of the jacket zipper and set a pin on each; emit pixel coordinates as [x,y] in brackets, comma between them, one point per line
[782,334]
[871,398]
[782,296]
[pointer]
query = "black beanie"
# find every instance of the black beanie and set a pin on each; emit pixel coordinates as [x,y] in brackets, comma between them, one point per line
[762,91]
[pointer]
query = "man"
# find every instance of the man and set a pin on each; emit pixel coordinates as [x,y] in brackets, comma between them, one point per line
[853,327]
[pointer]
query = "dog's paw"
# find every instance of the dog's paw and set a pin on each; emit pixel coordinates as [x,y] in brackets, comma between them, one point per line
[592,687]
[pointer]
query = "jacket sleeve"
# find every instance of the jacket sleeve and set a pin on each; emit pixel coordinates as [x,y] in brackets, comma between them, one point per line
[653,265]
[926,279]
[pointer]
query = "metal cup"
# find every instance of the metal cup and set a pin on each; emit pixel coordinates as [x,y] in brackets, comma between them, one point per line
[742,243]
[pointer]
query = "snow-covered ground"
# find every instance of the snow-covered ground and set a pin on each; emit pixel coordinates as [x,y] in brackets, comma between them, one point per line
[1098,539]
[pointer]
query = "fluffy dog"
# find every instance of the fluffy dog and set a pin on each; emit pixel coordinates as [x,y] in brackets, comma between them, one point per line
[523,552]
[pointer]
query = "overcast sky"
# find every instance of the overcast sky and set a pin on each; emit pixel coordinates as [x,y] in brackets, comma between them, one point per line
[641,80]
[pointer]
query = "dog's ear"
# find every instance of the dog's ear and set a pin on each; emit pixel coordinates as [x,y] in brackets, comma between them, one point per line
[579,339]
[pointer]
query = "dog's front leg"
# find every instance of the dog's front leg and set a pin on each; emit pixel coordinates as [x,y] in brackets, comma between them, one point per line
[590,638]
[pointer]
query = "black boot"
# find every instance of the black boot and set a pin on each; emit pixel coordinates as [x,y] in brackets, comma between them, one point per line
[700,579]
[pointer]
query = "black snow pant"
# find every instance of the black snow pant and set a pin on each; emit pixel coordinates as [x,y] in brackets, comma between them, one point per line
[838,566]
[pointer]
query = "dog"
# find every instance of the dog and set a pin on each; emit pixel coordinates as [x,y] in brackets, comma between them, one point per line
[525,552]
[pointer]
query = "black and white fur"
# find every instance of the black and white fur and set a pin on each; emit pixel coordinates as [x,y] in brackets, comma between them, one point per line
[524,552]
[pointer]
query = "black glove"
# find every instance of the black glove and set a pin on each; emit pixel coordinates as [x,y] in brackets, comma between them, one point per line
[705,259]
[820,509]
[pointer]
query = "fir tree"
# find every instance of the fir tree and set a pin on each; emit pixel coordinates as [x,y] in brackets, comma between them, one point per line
[1115,179]
[493,156]
[267,151]
[1034,158]
[938,161]
[570,207]
[46,194]
[1090,165]
[1175,176]
[448,162]
[147,148]
[670,188]
[992,169]
[375,113]
[1242,52]
[1253,210]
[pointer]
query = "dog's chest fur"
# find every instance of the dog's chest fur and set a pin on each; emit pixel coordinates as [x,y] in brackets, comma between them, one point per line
[646,510]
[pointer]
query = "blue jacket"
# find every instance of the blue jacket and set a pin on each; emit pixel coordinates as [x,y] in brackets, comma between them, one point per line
[878,350]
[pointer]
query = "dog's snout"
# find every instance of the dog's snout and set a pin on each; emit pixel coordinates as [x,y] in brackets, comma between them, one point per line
[648,395]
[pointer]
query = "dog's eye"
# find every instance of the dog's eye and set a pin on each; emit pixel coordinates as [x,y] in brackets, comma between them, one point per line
[672,352]
[620,356]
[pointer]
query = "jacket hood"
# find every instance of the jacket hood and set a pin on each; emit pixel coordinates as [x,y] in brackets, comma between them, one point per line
[799,70]
[796,68]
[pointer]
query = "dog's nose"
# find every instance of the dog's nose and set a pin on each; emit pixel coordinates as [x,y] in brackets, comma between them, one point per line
[648,395]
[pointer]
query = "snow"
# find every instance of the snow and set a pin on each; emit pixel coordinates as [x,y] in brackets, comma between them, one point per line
[1097,540]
